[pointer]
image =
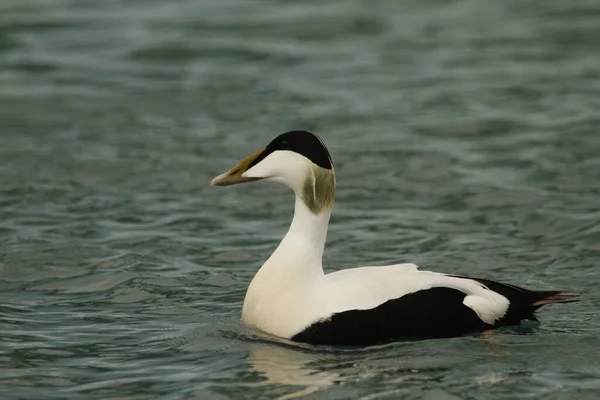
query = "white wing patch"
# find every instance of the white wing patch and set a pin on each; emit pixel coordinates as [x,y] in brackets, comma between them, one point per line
[487,304]
[489,309]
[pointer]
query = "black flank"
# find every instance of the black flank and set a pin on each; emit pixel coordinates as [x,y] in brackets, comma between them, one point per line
[302,142]
[432,313]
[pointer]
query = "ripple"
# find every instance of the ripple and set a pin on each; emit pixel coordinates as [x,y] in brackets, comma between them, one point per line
[465,139]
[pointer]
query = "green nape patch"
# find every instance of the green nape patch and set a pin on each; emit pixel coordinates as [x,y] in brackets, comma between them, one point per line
[319,189]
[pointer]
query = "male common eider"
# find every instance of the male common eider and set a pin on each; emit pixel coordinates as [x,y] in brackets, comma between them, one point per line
[293,298]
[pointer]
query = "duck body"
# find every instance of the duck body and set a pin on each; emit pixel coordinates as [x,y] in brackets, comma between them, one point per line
[291,296]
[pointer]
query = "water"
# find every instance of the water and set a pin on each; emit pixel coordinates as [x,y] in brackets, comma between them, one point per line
[465,136]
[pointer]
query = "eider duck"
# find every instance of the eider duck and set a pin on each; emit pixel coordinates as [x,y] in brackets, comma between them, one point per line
[291,297]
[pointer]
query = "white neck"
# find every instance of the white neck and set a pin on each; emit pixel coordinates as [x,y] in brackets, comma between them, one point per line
[301,250]
[283,286]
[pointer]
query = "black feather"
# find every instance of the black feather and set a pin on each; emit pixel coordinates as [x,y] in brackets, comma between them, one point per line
[302,142]
[433,313]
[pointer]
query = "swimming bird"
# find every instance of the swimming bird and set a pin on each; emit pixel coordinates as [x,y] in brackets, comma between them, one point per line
[291,296]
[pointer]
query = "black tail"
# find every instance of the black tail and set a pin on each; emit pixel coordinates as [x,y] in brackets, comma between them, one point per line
[552,296]
[523,302]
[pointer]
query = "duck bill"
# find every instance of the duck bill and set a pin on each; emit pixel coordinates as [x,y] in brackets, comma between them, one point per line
[234,175]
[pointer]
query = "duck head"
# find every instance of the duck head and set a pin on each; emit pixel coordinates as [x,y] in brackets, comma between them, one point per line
[297,159]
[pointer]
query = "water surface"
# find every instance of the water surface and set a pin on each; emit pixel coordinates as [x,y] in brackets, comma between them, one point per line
[465,136]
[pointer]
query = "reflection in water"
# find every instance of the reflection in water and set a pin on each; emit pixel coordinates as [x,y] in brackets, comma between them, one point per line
[284,366]
[311,371]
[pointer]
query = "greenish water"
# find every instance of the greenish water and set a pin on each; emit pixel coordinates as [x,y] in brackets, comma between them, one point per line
[466,136]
